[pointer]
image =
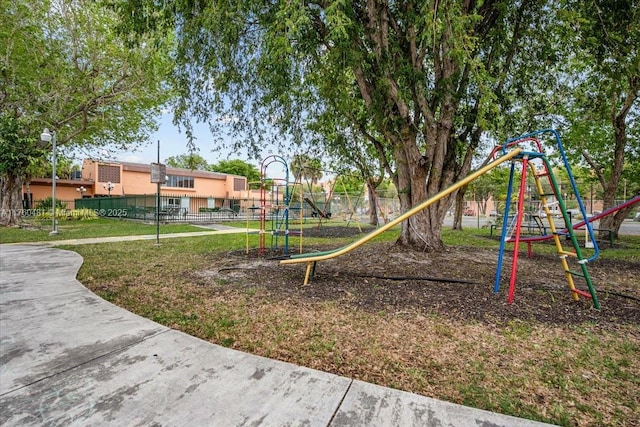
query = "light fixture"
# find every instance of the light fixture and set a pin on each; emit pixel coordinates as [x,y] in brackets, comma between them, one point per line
[108,186]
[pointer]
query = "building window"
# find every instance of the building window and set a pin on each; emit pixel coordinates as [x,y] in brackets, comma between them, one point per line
[173,202]
[109,173]
[179,181]
[239,184]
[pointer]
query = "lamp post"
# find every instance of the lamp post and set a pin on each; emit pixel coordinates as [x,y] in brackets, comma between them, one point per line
[81,190]
[108,186]
[45,136]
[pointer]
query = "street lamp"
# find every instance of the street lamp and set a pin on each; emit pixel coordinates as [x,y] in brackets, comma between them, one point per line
[81,190]
[108,186]
[47,137]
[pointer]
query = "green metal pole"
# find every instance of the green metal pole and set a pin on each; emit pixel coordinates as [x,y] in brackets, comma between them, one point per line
[572,234]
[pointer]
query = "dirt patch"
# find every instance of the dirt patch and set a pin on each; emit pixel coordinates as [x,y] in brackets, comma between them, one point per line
[457,283]
[335,231]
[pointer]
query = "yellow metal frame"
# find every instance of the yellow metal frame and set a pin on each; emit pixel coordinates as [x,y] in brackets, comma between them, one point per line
[311,258]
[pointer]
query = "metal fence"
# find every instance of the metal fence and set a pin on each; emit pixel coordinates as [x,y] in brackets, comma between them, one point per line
[182,208]
[171,208]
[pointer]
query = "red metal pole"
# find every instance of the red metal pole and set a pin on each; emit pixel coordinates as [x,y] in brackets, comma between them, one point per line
[516,243]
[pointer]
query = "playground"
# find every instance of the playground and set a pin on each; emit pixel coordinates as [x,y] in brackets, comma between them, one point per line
[393,317]
[381,277]
[462,291]
[427,323]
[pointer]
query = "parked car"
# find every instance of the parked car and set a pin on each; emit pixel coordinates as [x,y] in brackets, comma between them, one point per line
[637,217]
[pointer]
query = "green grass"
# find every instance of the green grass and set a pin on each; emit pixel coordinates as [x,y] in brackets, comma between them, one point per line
[580,371]
[583,375]
[34,230]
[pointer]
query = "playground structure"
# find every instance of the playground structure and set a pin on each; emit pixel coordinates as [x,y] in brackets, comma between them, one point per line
[281,200]
[312,259]
[337,203]
[513,151]
[512,232]
[276,205]
[318,211]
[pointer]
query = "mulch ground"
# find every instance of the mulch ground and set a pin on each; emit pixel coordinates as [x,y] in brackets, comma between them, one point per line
[457,283]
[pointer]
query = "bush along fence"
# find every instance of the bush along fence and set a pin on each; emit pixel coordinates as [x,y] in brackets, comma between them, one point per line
[182,208]
[172,208]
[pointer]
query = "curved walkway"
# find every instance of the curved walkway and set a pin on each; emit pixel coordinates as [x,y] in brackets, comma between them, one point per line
[70,358]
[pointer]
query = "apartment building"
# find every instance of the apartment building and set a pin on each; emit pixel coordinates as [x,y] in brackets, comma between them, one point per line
[110,179]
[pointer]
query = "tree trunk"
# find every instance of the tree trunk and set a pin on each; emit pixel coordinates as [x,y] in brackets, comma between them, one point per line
[613,222]
[459,209]
[10,199]
[618,219]
[373,207]
[422,231]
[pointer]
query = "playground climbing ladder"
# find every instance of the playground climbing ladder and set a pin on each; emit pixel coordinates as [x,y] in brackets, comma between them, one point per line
[279,204]
[546,171]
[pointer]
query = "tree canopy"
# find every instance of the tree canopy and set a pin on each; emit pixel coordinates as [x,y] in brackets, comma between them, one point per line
[191,161]
[601,115]
[424,78]
[420,83]
[65,68]
[306,168]
[237,167]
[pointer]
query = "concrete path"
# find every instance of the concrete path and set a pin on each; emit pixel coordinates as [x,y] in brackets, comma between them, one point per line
[70,358]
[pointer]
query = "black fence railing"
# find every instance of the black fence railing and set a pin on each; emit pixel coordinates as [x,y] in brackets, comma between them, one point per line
[184,208]
[171,208]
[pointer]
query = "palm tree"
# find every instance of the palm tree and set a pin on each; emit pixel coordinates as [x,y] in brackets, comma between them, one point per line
[307,168]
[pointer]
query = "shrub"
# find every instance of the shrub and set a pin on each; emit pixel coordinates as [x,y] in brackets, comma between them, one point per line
[70,215]
[45,204]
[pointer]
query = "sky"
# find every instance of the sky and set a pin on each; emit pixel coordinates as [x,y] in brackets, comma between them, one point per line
[173,142]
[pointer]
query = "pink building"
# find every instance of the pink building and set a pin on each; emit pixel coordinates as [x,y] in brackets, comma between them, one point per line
[103,179]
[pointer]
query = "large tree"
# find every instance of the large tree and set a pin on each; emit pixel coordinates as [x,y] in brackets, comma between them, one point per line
[426,73]
[64,67]
[191,161]
[603,110]
[237,167]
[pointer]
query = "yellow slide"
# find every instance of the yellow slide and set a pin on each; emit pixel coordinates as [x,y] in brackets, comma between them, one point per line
[312,258]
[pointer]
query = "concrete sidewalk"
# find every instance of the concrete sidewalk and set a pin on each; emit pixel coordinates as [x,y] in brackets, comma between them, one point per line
[71,358]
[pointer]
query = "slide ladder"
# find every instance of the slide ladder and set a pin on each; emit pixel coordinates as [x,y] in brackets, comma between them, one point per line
[546,171]
[564,255]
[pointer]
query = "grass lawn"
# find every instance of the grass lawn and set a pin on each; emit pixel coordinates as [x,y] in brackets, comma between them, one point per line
[35,230]
[566,374]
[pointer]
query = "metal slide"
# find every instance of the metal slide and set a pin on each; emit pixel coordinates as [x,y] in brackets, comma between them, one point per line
[312,258]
